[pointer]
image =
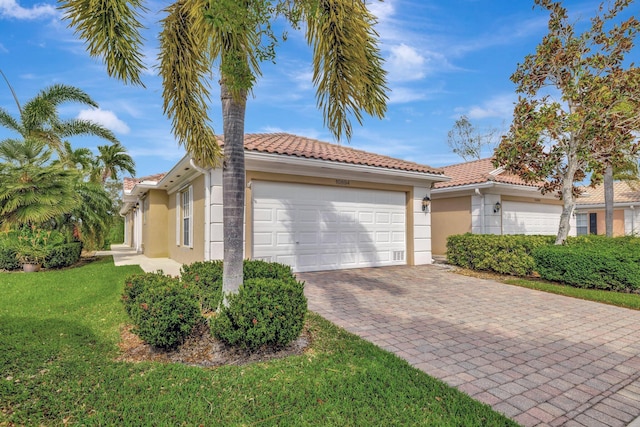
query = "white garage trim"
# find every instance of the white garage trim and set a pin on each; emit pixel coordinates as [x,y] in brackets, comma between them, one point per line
[530,218]
[316,227]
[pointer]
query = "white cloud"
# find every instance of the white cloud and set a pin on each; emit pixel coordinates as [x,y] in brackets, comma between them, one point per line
[405,64]
[11,9]
[105,118]
[500,106]
[401,95]
[382,10]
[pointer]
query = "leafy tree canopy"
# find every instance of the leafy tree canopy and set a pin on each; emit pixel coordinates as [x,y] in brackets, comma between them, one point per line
[592,125]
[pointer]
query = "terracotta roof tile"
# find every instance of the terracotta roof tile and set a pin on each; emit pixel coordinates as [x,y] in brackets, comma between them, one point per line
[298,146]
[129,183]
[622,193]
[478,172]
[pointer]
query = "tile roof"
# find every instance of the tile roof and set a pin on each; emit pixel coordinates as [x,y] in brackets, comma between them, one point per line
[299,146]
[622,193]
[478,172]
[129,183]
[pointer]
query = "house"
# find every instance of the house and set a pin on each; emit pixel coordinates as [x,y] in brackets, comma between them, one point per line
[309,204]
[483,199]
[590,213]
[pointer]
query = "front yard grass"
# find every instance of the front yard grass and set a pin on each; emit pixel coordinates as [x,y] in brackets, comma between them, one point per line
[619,299]
[59,334]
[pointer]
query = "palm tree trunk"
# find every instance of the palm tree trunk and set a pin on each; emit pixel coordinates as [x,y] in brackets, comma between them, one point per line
[233,179]
[608,200]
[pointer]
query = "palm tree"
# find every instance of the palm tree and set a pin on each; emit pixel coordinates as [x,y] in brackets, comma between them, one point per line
[39,119]
[81,159]
[111,160]
[31,190]
[235,35]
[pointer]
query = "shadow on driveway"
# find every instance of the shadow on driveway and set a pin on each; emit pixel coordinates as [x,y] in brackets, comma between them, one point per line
[539,358]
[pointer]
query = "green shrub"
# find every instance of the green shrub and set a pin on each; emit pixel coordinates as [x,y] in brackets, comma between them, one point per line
[608,264]
[8,258]
[63,255]
[264,311]
[256,269]
[504,254]
[206,278]
[164,315]
[135,284]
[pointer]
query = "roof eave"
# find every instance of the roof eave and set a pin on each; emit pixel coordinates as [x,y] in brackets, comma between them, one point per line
[267,159]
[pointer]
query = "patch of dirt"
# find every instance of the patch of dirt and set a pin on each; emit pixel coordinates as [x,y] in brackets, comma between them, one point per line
[202,349]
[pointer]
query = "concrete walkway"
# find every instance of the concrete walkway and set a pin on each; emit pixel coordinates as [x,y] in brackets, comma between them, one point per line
[124,255]
[539,358]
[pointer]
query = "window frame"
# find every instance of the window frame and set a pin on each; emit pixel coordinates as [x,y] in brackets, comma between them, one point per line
[184,217]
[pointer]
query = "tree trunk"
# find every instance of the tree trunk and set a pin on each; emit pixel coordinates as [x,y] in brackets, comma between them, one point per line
[233,183]
[608,200]
[568,200]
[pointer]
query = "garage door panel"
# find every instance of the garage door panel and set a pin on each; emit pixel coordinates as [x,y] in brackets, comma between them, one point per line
[335,228]
[530,218]
[263,239]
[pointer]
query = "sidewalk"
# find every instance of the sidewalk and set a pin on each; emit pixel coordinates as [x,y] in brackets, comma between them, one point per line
[124,255]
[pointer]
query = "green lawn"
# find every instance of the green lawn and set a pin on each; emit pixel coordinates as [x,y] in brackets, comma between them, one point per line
[607,297]
[58,339]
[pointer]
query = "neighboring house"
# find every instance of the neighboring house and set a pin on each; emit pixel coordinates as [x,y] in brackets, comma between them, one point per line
[309,204]
[590,213]
[482,199]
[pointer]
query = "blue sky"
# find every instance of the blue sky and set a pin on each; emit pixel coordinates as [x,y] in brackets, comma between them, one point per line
[444,59]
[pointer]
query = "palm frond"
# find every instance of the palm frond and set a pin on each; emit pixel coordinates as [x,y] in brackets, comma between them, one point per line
[184,67]
[347,65]
[79,127]
[9,122]
[112,30]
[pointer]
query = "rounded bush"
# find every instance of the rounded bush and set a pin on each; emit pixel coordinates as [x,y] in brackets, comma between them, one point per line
[135,284]
[165,315]
[205,279]
[263,312]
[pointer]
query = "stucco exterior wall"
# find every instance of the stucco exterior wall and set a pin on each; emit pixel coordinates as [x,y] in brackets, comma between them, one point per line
[449,217]
[618,222]
[154,218]
[187,255]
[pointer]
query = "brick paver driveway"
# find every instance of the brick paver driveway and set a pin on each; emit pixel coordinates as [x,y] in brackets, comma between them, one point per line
[539,358]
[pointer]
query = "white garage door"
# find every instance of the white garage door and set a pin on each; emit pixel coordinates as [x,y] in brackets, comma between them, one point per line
[312,227]
[530,218]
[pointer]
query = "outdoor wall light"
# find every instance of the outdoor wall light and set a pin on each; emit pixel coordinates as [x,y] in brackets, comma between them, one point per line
[496,207]
[425,203]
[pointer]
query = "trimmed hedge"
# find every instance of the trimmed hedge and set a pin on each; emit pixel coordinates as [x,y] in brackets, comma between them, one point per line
[8,259]
[592,262]
[265,311]
[206,278]
[163,311]
[135,284]
[504,254]
[63,255]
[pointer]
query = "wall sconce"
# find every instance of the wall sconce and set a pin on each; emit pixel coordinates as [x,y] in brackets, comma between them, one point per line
[425,204]
[496,207]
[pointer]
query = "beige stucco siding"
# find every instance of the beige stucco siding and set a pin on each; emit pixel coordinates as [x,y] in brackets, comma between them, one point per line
[154,218]
[618,222]
[195,253]
[449,216]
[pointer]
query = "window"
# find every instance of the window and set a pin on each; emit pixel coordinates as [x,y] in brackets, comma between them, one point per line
[184,218]
[593,223]
[582,226]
